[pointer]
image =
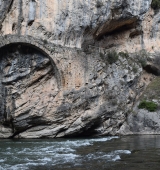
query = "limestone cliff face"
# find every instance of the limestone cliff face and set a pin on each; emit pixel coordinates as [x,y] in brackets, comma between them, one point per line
[57,78]
[75,23]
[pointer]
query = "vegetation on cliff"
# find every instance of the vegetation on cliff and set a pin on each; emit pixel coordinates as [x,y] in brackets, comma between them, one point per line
[153,90]
[155,4]
[150,106]
[111,57]
[151,94]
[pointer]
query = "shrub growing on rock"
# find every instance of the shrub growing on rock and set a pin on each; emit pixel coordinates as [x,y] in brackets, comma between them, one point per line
[142,57]
[143,62]
[155,4]
[150,106]
[124,54]
[112,57]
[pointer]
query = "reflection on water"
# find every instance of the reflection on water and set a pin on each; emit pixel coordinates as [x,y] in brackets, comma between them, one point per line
[111,153]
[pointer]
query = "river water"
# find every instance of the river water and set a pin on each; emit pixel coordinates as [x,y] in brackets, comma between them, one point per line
[108,153]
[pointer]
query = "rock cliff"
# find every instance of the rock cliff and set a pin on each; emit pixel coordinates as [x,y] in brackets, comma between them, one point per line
[76,67]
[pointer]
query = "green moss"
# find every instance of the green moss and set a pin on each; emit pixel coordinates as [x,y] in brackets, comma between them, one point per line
[155,4]
[150,106]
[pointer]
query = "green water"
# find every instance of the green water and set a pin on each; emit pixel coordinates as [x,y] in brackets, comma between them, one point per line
[118,153]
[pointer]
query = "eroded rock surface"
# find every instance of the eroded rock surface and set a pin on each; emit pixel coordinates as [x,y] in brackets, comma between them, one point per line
[35,104]
[28,86]
[77,23]
[56,77]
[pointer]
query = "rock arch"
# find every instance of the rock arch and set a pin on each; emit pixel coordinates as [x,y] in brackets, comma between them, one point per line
[29,83]
[39,45]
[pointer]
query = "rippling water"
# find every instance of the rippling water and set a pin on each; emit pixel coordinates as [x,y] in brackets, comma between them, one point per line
[110,153]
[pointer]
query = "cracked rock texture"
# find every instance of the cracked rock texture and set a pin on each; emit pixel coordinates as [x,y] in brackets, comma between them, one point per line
[55,76]
[76,23]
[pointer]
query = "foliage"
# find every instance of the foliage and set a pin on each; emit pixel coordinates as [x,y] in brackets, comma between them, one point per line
[144,54]
[124,54]
[150,106]
[143,62]
[112,57]
[155,4]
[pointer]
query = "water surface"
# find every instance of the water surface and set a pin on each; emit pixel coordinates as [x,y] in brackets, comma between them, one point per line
[108,153]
